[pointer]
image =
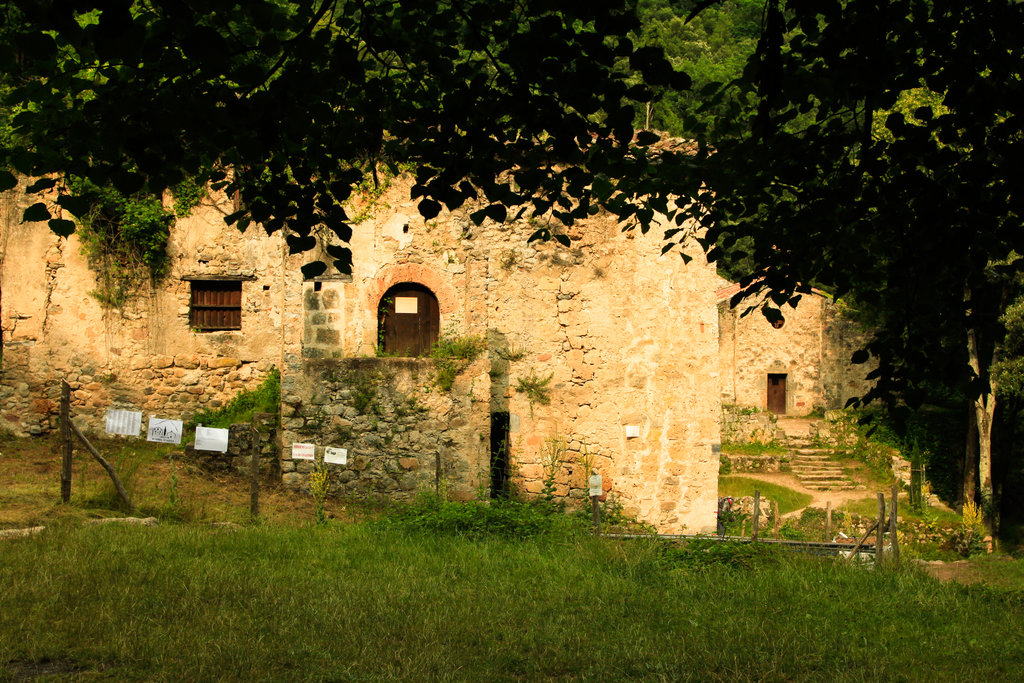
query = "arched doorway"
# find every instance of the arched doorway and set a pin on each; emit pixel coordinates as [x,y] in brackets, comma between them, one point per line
[408,320]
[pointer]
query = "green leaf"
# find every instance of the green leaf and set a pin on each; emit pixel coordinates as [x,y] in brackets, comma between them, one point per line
[298,244]
[7,181]
[36,212]
[77,206]
[429,208]
[313,269]
[40,185]
[61,226]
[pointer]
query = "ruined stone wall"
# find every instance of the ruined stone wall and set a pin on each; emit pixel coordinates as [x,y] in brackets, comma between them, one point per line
[146,356]
[403,433]
[628,337]
[812,348]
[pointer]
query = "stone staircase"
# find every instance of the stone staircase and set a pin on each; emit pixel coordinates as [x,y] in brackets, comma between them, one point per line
[813,466]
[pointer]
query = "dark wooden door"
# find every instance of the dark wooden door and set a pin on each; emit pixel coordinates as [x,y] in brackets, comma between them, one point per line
[409,320]
[777,394]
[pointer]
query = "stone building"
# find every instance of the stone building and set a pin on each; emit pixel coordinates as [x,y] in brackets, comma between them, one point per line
[794,367]
[608,350]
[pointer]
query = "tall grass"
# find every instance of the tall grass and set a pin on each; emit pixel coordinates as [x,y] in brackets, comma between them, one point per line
[372,603]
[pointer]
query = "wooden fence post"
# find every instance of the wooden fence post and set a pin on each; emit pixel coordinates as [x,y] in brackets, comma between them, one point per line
[254,474]
[757,514]
[596,510]
[880,531]
[828,521]
[775,514]
[893,521]
[65,436]
[106,465]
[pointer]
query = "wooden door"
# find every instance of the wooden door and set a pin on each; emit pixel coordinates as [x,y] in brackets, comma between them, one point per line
[777,394]
[409,320]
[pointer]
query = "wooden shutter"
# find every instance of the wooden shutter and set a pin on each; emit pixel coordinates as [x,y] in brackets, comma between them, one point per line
[216,305]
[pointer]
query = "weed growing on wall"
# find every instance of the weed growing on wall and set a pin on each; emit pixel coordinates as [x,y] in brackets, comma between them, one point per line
[537,389]
[452,355]
[124,237]
[266,398]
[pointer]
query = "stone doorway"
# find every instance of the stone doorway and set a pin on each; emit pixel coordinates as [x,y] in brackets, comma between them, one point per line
[777,393]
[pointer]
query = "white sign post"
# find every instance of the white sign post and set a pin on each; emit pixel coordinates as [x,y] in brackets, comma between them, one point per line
[596,489]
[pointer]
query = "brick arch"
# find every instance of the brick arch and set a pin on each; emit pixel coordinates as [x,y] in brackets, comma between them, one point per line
[389,276]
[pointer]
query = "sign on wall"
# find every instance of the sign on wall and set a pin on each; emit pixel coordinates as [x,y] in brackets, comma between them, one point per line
[164,431]
[124,422]
[303,451]
[336,456]
[406,304]
[211,439]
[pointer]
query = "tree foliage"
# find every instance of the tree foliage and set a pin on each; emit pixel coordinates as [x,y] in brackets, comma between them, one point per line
[293,102]
[836,185]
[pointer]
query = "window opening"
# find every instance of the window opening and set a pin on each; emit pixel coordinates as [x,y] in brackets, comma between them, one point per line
[216,305]
[500,447]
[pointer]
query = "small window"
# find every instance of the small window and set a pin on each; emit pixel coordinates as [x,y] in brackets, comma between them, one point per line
[216,305]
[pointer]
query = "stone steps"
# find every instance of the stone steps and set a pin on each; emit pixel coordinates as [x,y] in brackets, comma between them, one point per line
[814,466]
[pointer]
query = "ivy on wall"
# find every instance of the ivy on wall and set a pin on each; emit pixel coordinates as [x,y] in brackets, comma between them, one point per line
[124,236]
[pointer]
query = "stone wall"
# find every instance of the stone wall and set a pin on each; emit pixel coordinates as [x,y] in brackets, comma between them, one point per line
[627,336]
[238,457]
[145,356]
[402,433]
[749,425]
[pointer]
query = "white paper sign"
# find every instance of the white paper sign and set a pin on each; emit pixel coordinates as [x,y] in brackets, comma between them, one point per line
[406,304]
[632,431]
[303,451]
[164,431]
[211,439]
[336,456]
[125,422]
[596,485]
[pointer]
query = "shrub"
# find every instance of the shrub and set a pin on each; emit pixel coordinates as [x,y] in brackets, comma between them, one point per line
[504,518]
[452,354]
[266,398]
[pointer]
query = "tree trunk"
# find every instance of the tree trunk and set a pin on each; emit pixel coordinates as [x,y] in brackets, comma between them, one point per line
[984,411]
[969,480]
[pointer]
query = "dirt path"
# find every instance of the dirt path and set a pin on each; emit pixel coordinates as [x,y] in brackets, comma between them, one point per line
[819,499]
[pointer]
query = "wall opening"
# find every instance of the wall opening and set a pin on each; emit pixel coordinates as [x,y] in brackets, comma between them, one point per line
[500,447]
[777,393]
[408,320]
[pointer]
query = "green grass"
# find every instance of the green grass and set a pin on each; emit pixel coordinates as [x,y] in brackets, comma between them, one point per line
[744,448]
[358,602]
[787,498]
[868,507]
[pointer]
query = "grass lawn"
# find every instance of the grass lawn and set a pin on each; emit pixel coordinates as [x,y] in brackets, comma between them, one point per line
[868,507]
[787,498]
[359,601]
